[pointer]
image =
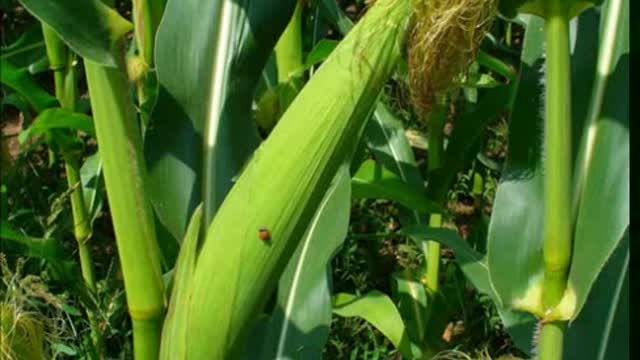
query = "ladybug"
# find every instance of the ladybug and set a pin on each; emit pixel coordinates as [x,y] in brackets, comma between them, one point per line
[263,234]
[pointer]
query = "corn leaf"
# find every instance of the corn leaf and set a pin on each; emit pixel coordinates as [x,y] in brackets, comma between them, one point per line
[387,142]
[57,118]
[373,181]
[377,309]
[175,331]
[28,50]
[510,8]
[45,248]
[92,183]
[20,80]
[412,299]
[201,132]
[599,230]
[602,329]
[89,27]
[335,16]
[514,247]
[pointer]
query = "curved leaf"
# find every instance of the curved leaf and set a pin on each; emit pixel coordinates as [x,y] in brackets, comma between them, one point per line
[514,248]
[58,118]
[372,181]
[387,141]
[91,176]
[510,8]
[377,309]
[412,299]
[602,330]
[175,329]
[89,27]
[336,16]
[45,248]
[29,49]
[299,327]
[599,231]
[201,132]
[20,80]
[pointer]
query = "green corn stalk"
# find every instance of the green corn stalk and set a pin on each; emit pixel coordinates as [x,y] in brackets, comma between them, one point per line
[236,271]
[557,179]
[120,142]
[61,62]
[436,147]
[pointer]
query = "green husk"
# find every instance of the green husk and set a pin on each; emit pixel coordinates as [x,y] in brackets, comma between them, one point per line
[236,271]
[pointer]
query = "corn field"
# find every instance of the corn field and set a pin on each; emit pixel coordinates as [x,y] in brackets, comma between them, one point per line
[314,179]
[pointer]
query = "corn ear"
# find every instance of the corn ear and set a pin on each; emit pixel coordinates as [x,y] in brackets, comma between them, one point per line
[284,182]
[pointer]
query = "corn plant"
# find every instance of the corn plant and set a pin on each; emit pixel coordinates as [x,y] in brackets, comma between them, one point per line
[544,253]
[185,166]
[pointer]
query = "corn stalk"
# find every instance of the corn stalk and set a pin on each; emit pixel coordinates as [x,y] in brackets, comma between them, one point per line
[120,144]
[61,62]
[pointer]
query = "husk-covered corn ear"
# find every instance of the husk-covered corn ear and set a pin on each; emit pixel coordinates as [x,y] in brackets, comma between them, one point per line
[238,267]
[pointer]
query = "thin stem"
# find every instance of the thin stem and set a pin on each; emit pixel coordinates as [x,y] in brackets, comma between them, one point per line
[81,228]
[433,257]
[61,62]
[435,139]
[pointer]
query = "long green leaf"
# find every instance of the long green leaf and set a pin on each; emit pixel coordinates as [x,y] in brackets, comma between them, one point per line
[514,249]
[20,80]
[201,132]
[92,183]
[372,181]
[336,16]
[58,118]
[28,50]
[537,7]
[175,331]
[601,331]
[607,167]
[299,327]
[46,248]
[412,299]
[89,27]
[377,309]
